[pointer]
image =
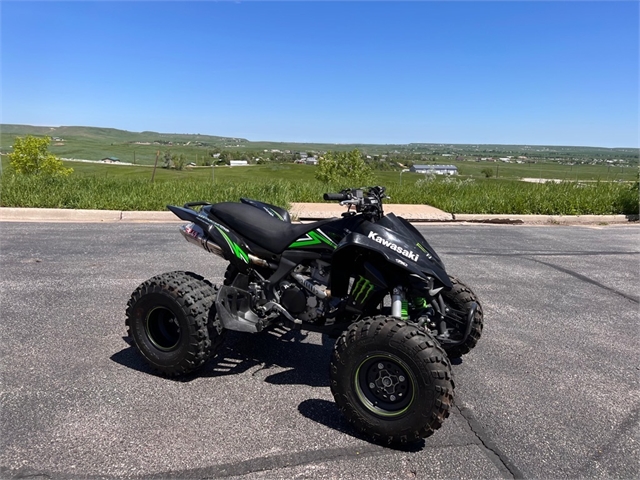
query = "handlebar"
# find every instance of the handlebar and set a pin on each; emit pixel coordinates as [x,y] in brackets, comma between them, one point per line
[367,201]
[335,196]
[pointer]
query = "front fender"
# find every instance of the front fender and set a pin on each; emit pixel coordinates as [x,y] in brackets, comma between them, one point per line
[356,245]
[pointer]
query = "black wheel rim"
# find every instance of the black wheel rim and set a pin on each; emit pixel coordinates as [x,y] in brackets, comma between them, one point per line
[162,329]
[385,385]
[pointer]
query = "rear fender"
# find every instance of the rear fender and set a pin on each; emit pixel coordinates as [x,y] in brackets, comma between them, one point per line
[184,213]
[233,247]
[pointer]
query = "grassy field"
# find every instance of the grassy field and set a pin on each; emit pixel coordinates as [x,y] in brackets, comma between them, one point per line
[587,189]
[91,143]
[295,172]
[129,188]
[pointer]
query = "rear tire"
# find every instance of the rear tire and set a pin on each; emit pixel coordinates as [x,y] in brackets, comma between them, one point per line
[230,275]
[391,380]
[461,297]
[171,319]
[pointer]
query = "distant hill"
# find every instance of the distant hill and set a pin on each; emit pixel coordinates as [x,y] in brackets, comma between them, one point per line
[112,134]
[95,143]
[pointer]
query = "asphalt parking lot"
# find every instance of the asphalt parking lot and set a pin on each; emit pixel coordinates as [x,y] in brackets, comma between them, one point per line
[551,391]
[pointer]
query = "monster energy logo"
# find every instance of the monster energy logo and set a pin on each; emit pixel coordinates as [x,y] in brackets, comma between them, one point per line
[362,288]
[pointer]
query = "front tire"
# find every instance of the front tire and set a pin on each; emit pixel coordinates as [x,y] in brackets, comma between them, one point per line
[391,380]
[172,321]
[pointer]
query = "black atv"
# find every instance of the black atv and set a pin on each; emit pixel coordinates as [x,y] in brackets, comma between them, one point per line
[368,279]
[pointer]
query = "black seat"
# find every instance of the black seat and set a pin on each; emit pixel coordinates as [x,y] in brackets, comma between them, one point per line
[260,227]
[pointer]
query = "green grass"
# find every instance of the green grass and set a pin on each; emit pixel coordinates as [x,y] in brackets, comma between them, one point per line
[97,143]
[456,196]
[295,172]
[101,186]
[548,170]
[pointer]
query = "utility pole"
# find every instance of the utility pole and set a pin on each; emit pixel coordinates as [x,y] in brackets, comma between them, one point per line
[154,166]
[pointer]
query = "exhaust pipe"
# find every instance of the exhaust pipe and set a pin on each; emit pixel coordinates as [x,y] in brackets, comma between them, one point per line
[195,235]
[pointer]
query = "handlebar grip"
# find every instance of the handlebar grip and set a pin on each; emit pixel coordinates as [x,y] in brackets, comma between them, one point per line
[335,196]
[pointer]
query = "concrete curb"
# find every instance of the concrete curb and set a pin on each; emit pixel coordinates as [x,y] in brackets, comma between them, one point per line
[308,211]
[546,219]
[8,214]
[414,213]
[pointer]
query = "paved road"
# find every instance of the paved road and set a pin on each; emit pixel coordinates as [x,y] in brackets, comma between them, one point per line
[551,390]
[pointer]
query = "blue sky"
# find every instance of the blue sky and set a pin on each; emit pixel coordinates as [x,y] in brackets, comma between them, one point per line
[551,73]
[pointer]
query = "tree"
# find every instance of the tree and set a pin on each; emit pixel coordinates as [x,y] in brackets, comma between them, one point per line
[487,172]
[179,161]
[167,159]
[31,157]
[226,156]
[346,169]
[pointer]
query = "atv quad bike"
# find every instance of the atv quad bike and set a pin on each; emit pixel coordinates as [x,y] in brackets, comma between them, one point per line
[368,279]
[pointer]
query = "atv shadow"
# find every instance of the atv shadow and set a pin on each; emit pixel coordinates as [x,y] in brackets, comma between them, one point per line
[306,363]
[326,413]
[130,358]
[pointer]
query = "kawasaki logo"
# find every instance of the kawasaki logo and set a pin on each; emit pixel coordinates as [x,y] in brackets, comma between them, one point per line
[397,248]
[362,288]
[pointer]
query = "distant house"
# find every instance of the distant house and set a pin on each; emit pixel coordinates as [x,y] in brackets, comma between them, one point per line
[311,161]
[238,163]
[110,160]
[435,169]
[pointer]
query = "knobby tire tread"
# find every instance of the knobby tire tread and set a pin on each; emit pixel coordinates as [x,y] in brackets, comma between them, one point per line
[462,296]
[422,347]
[194,296]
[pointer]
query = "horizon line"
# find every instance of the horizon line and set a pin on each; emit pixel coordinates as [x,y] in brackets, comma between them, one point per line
[317,142]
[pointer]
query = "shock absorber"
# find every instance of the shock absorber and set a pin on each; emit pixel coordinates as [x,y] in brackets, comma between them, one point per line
[398,303]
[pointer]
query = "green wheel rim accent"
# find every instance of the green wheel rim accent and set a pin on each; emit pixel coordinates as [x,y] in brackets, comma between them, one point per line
[393,390]
[162,329]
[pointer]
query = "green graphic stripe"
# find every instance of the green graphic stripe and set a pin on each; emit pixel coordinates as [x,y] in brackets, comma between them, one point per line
[235,248]
[422,248]
[316,239]
[276,214]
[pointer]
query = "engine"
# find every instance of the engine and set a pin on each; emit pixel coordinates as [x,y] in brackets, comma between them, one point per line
[304,297]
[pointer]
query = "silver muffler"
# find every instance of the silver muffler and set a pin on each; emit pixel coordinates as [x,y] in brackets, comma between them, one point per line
[194,234]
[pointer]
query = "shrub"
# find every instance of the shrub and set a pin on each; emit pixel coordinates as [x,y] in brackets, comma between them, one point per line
[30,156]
